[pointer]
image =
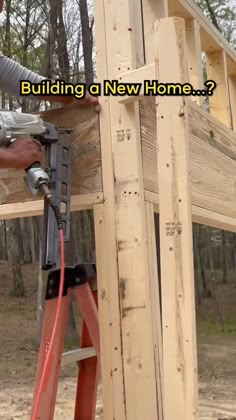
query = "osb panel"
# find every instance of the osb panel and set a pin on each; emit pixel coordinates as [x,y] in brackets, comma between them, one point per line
[212,159]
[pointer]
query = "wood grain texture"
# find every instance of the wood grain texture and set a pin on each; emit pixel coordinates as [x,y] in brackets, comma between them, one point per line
[86,156]
[212,159]
[216,66]
[194,57]
[180,388]
[131,238]
[156,304]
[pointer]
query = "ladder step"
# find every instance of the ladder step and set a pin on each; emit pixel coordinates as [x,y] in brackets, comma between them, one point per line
[77,355]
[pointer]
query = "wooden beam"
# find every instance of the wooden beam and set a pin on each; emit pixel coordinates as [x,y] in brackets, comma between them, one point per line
[152,10]
[123,136]
[105,319]
[35,208]
[200,215]
[138,32]
[219,101]
[194,57]
[177,272]
[136,76]
[114,398]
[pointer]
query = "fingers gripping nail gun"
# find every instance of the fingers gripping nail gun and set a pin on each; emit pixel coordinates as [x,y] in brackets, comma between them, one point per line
[14,125]
[54,182]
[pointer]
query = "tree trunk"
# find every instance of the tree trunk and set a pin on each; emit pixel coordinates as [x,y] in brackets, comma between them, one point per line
[224,258]
[32,240]
[25,101]
[206,292]
[63,56]
[87,42]
[38,224]
[197,262]
[40,300]
[212,14]
[213,278]
[14,258]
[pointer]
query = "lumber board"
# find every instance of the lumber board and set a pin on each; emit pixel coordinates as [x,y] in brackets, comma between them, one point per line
[156,303]
[86,156]
[180,388]
[212,159]
[131,243]
[232,98]
[152,10]
[104,292]
[35,208]
[194,57]
[216,66]
[110,320]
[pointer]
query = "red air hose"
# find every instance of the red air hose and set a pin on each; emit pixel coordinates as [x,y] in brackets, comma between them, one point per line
[47,366]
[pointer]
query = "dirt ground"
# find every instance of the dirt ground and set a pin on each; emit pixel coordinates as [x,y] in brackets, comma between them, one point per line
[18,355]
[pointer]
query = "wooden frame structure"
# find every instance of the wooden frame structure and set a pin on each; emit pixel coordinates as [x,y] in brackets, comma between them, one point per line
[139,156]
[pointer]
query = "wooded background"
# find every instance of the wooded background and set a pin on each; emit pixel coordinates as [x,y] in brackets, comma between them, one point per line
[55,38]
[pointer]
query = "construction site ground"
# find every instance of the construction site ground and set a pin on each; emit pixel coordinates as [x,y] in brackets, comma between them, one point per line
[18,354]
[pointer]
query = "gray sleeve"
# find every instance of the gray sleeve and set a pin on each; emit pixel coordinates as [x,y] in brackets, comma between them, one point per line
[11,73]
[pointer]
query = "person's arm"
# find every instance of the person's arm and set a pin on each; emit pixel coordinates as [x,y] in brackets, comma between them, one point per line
[70,100]
[11,74]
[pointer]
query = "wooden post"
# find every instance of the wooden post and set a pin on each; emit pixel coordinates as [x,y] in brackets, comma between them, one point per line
[177,272]
[194,57]
[125,234]
[219,101]
[152,10]
[110,318]
[104,313]
[232,95]
[155,297]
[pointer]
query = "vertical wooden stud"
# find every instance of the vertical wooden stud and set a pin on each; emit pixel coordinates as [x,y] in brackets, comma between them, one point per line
[156,307]
[194,57]
[177,272]
[232,95]
[113,373]
[152,10]
[219,101]
[124,196]
[104,311]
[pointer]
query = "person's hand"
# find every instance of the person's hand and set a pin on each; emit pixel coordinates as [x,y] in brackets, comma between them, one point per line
[88,99]
[24,152]
[72,101]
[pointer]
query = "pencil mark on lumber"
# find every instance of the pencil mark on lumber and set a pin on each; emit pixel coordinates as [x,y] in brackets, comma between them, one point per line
[131,308]
[122,287]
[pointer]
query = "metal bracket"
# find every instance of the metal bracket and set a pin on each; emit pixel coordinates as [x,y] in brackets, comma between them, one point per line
[58,160]
[74,276]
